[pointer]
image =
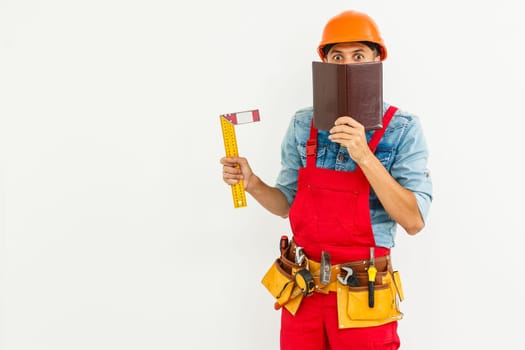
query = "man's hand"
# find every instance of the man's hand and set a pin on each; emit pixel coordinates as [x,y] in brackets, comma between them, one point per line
[399,202]
[351,134]
[235,169]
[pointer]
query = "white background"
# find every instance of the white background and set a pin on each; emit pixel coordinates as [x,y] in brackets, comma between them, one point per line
[117,230]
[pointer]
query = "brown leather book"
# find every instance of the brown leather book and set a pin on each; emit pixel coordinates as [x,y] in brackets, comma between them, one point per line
[355,90]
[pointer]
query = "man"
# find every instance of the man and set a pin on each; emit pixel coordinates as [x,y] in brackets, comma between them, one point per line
[345,196]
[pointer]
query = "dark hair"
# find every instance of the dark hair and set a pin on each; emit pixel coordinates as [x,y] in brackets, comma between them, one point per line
[373,46]
[327,48]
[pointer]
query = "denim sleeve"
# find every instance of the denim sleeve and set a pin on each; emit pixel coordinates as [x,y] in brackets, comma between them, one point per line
[290,163]
[410,166]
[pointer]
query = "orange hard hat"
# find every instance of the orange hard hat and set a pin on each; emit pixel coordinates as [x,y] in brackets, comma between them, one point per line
[351,26]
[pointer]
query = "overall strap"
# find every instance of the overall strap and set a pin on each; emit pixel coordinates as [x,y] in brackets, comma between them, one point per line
[311,147]
[311,144]
[378,134]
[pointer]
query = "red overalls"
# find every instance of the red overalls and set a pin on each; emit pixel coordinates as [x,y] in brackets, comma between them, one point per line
[331,213]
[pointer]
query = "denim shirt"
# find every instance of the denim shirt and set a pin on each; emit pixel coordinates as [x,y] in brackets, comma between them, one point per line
[402,150]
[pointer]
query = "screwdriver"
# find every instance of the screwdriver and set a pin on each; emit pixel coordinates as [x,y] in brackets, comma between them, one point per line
[283,244]
[372,271]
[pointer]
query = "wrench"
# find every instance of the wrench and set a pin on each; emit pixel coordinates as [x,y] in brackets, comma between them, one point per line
[299,255]
[350,279]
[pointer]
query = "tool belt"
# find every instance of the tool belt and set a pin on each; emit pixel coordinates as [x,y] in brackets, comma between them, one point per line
[289,280]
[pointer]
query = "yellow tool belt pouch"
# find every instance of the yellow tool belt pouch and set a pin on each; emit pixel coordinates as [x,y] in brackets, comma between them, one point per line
[353,302]
[280,282]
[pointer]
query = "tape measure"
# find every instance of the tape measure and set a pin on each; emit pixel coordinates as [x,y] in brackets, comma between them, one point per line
[305,281]
[230,146]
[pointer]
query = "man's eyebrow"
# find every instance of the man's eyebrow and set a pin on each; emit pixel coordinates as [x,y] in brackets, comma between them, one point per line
[356,50]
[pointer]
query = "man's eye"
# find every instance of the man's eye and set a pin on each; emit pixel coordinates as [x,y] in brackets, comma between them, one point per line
[359,57]
[337,57]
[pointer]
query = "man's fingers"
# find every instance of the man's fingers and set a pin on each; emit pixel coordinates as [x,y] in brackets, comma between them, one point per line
[231,171]
[347,125]
[229,161]
[344,129]
[231,181]
[341,137]
[346,120]
[231,175]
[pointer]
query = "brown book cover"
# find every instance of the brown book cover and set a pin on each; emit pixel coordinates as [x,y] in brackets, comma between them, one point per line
[355,90]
